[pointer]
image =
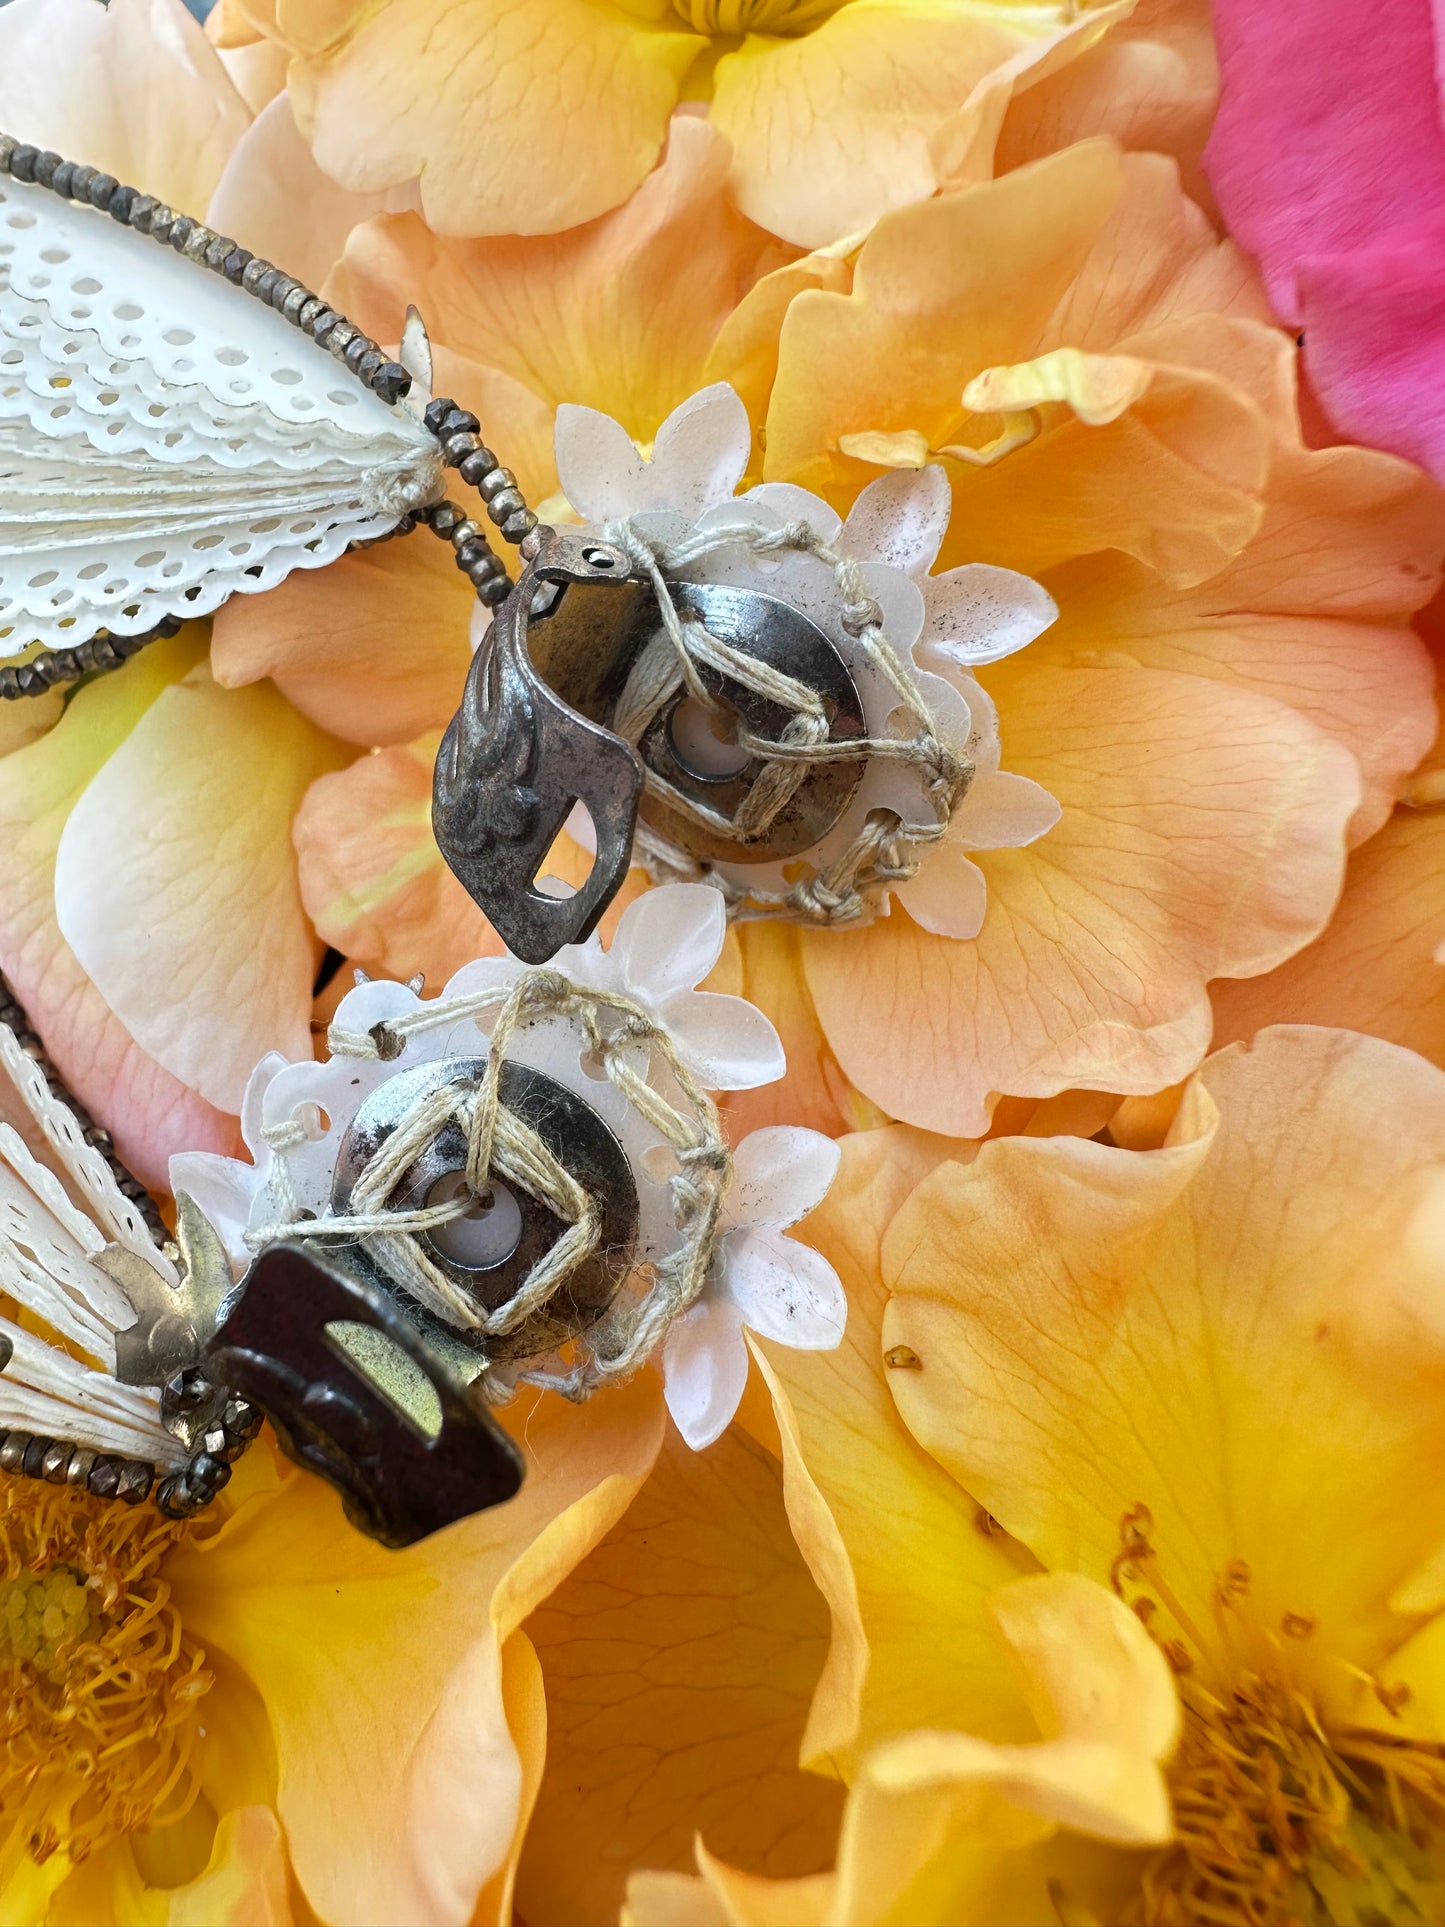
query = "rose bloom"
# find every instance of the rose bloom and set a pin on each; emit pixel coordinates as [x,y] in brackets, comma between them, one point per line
[1124,1495]
[504,119]
[1094,371]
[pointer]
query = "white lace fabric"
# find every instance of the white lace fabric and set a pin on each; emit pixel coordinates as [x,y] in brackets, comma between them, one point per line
[166,440]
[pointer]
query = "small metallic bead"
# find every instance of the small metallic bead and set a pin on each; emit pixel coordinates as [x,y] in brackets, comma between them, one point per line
[163,221]
[182,228]
[489,565]
[80,180]
[9,684]
[252,272]
[519,525]
[337,334]
[437,411]
[136,1480]
[241,1418]
[8,145]
[458,446]
[47,667]
[481,462]
[391,381]
[471,552]
[217,250]
[169,626]
[57,1458]
[264,286]
[206,1474]
[321,324]
[445,517]
[45,166]
[172,1497]
[504,503]
[12,1452]
[77,1468]
[236,263]
[61,180]
[142,208]
[104,653]
[459,422]
[31,684]
[22,162]
[35,1457]
[495,592]
[288,296]
[465,531]
[360,344]
[66,666]
[121,204]
[196,242]
[307,312]
[103,1478]
[101,188]
[370,366]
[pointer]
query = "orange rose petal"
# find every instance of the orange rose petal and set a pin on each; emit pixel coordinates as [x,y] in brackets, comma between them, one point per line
[1153,1328]
[372,878]
[1199,823]
[619,314]
[373,649]
[514,126]
[679,1659]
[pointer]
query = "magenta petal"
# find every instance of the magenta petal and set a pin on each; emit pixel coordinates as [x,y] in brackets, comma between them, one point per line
[1328,136]
[1375,344]
[1328,160]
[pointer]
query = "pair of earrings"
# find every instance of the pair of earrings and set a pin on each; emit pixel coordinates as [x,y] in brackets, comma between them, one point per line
[524,1179]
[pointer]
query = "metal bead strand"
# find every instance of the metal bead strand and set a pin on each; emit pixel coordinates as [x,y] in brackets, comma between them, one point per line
[181,1493]
[99,655]
[223,256]
[29,1455]
[475,556]
[463,449]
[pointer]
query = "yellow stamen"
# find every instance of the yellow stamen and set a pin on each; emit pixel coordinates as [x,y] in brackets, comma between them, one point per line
[101,1683]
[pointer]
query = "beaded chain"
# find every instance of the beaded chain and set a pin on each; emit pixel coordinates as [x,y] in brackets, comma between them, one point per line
[454,427]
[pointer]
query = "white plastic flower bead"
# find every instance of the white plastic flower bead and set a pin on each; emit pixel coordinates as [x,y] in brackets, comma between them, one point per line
[941,628]
[761,1280]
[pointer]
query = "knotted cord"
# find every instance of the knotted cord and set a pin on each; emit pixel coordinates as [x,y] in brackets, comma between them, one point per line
[885,850]
[623,1038]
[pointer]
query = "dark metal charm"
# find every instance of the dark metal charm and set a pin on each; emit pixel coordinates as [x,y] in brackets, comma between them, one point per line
[515,760]
[357,1394]
[532,737]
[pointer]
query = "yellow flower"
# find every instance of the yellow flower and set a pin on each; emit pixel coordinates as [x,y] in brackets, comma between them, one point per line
[198,1713]
[1201,1380]
[529,116]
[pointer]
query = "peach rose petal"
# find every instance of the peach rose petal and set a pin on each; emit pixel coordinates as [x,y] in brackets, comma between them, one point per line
[274,199]
[134,88]
[620,314]
[865,1503]
[149,1112]
[1200,823]
[245,1883]
[514,127]
[679,1658]
[373,649]
[372,878]
[832,128]
[405,1807]
[206,975]
[1150,1328]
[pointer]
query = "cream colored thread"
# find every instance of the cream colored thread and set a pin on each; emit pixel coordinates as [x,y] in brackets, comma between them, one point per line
[885,851]
[617,1031]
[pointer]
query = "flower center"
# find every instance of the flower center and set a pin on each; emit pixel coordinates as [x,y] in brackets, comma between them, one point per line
[101,1685]
[730,17]
[1283,1817]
